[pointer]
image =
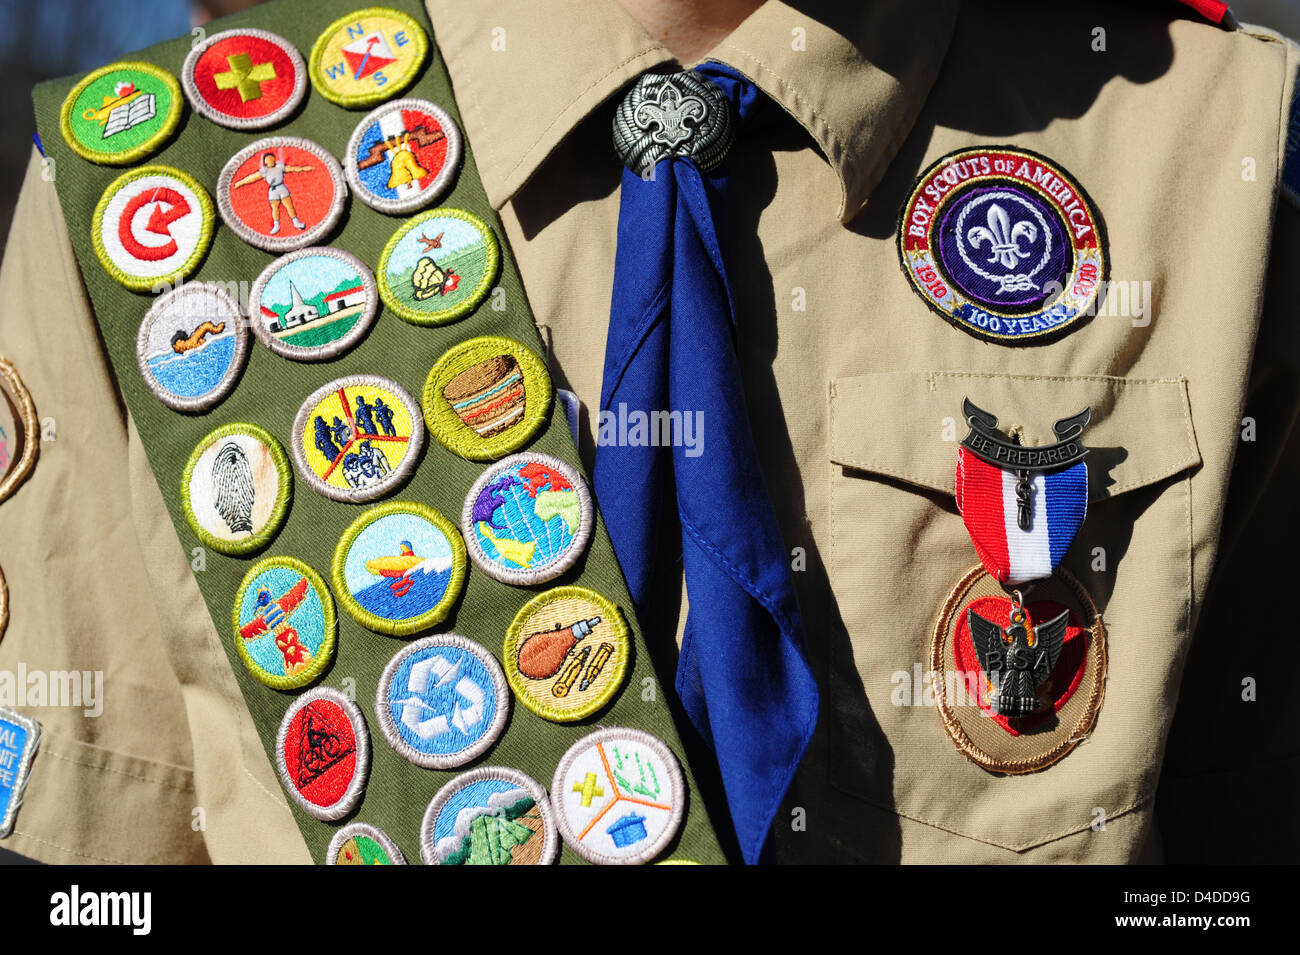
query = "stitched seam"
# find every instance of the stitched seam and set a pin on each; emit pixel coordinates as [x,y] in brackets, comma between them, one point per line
[72,852]
[118,772]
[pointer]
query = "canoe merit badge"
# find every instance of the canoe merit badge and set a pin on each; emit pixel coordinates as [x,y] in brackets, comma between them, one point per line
[442,701]
[487,397]
[236,488]
[284,623]
[152,227]
[121,113]
[527,519]
[399,568]
[19,430]
[403,155]
[20,736]
[566,653]
[438,266]
[281,193]
[367,56]
[619,797]
[359,843]
[1004,244]
[191,346]
[313,304]
[323,753]
[357,438]
[490,816]
[244,79]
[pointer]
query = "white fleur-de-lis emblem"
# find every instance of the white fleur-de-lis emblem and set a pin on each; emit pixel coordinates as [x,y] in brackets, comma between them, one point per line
[1003,237]
[666,120]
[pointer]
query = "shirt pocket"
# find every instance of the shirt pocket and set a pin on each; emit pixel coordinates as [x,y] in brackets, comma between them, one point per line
[898,546]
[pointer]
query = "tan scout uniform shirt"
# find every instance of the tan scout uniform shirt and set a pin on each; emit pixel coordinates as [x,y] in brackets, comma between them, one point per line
[853,386]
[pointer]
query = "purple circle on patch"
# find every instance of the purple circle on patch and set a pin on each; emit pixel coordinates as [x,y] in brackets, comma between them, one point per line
[1004,247]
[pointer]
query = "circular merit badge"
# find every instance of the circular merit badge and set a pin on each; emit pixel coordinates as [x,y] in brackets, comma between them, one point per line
[1004,244]
[121,113]
[367,56]
[527,518]
[313,304]
[152,227]
[284,623]
[399,568]
[566,653]
[403,155]
[19,430]
[490,816]
[442,701]
[619,797]
[487,397]
[236,488]
[244,79]
[191,347]
[357,438]
[281,193]
[1018,686]
[438,266]
[360,843]
[323,753]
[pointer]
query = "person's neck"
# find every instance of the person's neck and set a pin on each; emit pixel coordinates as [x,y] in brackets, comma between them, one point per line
[690,28]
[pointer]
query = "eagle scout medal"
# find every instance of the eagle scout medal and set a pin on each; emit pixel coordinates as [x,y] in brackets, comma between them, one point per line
[1004,244]
[490,816]
[19,430]
[323,753]
[236,488]
[403,156]
[487,397]
[121,113]
[438,266]
[399,568]
[191,346]
[566,653]
[281,193]
[442,701]
[618,796]
[244,79]
[367,56]
[152,227]
[527,519]
[313,304]
[284,623]
[357,438]
[359,843]
[20,736]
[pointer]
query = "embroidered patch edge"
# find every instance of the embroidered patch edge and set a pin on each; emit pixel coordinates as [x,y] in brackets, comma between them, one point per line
[551,843]
[217,395]
[352,829]
[451,164]
[360,100]
[283,499]
[135,153]
[282,243]
[324,656]
[314,352]
[210,112]
[357,787]
[25,761]
[12,383]
[475,299]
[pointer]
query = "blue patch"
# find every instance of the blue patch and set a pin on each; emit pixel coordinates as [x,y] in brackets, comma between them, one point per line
[19,737]
[1291,165]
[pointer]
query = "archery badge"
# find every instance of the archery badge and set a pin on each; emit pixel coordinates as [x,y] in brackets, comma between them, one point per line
[1029,673]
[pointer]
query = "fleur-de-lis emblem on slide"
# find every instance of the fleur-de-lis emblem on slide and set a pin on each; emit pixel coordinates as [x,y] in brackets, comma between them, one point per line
[1003,237]
[666,120]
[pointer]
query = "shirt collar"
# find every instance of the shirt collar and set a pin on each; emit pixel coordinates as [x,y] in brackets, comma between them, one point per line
[855,76]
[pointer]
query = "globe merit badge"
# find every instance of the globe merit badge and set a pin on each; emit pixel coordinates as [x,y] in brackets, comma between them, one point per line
[121,113]
[367,56]
[1004,244]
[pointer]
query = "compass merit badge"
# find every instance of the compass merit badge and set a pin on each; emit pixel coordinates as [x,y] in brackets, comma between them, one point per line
[152,227]
[490,816]
[323,753]
[236,488]
[313,304]
[244,79]
[191,346]
[442,701]
[121,113]
[1004,244]
[367,56]
[403,155]
[281,193]
[284,623]
[359,843]
[527,518]
[357,438]
[399,568]
[438,266]
[619,796]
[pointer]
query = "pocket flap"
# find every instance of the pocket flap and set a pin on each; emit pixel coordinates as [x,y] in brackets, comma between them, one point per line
[906,425]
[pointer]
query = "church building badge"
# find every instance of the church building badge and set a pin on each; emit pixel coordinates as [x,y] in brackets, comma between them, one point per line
[357,438]
[191,346]
[152,227]
[244,79]
[313,304]
[1004,244]
[121,113]
[403,156]
[323,753]
[492,815]
[284,621]
[236,488]
[281,193]
[367,56]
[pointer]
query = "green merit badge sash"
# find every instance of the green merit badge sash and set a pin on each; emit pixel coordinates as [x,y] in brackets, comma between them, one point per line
[356,488]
